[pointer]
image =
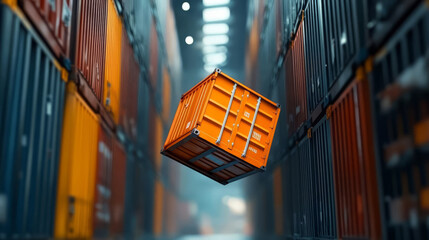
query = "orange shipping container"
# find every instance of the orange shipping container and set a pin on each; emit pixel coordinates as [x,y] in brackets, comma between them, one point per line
[76,177]
[112,83]
[222,129]
[356,191]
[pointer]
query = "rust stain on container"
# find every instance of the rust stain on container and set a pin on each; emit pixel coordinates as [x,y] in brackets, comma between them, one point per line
[52,19]
[117,205]
[112,83]
[356,191]
[222,129]
[130,73]
[89,33]
[296,90]
[76,177]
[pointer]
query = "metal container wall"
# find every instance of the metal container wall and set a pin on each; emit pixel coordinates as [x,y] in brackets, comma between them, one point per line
[31,113]
[166,95]
[117,205]
[153,56]
[281,33]
[143,24]
[130,76]
[278,197]
[340,30]
[315,69]
[112,82]
[53,20]
[143,108]
[295,83]
[323,184]
[77,171]
[103,182]
[357,205]
[401,102]
[299,195]
[89,47]
[158,207]
[213,129]
[156,133]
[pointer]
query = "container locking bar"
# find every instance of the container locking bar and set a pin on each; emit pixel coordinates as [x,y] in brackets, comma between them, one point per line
[227,113]
[251,128]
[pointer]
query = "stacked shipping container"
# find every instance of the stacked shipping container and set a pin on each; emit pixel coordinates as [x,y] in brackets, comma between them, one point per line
[364,155]
[76,176]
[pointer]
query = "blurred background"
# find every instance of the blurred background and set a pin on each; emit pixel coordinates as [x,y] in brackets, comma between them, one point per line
[89,90]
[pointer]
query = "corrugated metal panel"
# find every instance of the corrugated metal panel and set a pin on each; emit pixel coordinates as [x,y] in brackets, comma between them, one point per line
[401,102]
[222,151]
[143,126]
[278,201]
[130,76]
[117,206]
[299,204]
[53,20]
[31,111]
[315,66]
[324,198]
[112,83]
[156,136]
[89,48]
[103,182]
[76,181]
[358,213]
[295,83]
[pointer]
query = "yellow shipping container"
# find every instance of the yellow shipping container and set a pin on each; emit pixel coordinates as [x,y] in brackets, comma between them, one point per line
[112,83]
[76,179]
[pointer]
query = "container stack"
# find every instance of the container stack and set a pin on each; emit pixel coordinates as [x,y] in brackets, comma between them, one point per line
[80,87]
[350,156]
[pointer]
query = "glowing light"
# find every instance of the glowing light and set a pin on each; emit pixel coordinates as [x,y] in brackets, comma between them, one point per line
[215,58]
[210,3]
[186,6]
[215,40]
[189,40]
[237,205]
[216,14]
[215,28]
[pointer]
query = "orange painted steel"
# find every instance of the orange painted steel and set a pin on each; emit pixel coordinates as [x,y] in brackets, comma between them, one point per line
[356,189]
[421,133]
[112,82]
[222,129]
[166,93]
[78,163]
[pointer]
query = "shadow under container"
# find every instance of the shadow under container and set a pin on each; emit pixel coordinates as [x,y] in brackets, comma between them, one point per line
[222,129]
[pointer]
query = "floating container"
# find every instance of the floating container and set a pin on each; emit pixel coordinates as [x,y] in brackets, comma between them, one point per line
[32,88]
[323,188]
[315,65]
[112,82]
[52,19]
[296,91]
[117,204]
[77,171]
[355,179]
[89,48]
[222,129]
[103,182]
[130,77]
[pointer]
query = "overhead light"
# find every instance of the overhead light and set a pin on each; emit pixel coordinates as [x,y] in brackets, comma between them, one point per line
[214,49]
[215,58]
[210,3]
[216,14]
[189,40]
[215,28]
[215,40]
[186,6]
[236,205]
